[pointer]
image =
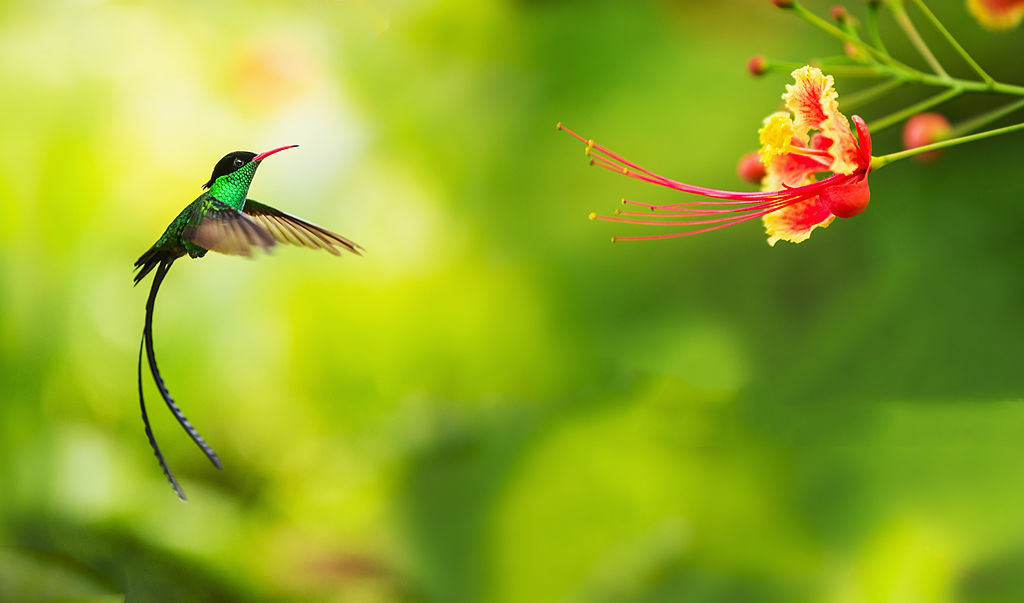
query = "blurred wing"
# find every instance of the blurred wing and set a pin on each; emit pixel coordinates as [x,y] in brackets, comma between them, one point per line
[227,230]
[288,229]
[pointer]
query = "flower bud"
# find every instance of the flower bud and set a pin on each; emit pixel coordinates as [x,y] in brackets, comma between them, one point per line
[838,12]
[751,168]
[997,14]
[757,65]
[924,129]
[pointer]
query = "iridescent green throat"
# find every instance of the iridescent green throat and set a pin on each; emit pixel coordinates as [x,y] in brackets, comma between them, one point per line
[232,188]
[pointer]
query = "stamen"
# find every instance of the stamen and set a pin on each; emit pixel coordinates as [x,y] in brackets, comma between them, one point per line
[610,161]
[718,209]
[653,222]
[702,212]
[680,234]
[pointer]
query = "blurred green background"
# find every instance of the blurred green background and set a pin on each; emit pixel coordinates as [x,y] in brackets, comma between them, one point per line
[495,403]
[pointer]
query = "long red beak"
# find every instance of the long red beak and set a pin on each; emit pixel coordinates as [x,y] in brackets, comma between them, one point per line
[266,154]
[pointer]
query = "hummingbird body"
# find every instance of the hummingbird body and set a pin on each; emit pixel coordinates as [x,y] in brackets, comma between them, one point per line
[221,219]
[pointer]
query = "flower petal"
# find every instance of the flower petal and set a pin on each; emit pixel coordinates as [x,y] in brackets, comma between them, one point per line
[789,171]
[812,99]
[815,106]
[794,223]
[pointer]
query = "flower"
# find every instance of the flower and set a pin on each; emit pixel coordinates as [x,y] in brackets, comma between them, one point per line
[811,138]
[997,14]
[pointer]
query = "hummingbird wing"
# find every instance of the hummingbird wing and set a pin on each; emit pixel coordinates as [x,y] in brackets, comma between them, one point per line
[288,229]
[224,229]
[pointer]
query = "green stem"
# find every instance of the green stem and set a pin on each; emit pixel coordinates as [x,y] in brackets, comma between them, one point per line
[903,19]
[914,109]
[909,74]
[834,31]
[876,37]
[883,160]
[967,85]
[952,41]
[913,75]
[861,97]
[985,118]
[843,70]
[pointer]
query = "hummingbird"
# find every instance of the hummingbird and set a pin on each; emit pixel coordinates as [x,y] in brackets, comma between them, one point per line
[221,219]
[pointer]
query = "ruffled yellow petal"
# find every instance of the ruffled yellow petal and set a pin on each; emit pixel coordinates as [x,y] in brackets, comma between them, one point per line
[794,223]
[812,99]
[776,135]
[997,14]
[815,105]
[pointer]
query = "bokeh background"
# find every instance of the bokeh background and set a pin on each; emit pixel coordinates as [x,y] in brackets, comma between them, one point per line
[495,403]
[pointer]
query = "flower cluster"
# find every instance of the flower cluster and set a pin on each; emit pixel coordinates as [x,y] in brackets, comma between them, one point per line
[811,165]
[811,138]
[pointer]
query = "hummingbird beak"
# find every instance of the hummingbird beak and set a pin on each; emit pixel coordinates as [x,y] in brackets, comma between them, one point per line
[266,154]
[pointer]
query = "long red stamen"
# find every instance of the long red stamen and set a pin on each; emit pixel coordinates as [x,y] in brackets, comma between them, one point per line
[719,209]
[611,162]
[691,232]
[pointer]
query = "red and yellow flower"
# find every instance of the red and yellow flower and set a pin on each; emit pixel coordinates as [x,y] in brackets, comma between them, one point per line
[997,14]
[810,138]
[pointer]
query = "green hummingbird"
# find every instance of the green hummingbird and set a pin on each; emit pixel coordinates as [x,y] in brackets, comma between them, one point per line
[222,219]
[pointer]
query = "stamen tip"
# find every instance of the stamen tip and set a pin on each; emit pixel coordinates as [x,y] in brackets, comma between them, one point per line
[558,126]
[586,151]
[623,200]
[614,239]
[618,212]
[593,215]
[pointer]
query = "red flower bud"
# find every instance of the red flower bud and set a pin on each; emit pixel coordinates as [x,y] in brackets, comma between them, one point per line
[924,129]
[751,168]
[757,65]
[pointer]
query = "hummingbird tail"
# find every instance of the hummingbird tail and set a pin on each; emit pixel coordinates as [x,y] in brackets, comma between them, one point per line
[153,257]
[152,439]
[163,265]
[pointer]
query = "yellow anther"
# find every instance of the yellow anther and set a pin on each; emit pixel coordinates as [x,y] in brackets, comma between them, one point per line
[593,215]
[558,126]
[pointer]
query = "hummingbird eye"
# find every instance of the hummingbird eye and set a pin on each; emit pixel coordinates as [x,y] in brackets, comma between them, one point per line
[238,162]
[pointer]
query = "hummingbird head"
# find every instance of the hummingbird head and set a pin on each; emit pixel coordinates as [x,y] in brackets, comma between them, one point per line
[235,160]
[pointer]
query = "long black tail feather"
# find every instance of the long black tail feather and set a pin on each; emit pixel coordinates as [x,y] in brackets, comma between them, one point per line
[163,265]
[151,356]
[152,439]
